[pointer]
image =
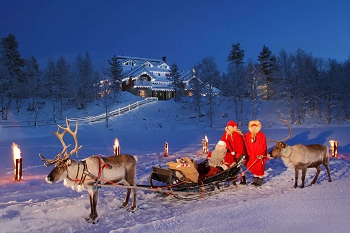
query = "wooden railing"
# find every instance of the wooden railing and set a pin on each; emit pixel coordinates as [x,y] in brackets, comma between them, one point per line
[84,120]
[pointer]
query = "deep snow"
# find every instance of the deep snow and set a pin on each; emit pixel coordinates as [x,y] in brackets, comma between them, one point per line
[32,205]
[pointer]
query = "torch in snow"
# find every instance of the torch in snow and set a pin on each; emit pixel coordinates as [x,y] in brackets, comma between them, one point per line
[334,148]
[17,160]
[116,147]
[166,149]
[205,145]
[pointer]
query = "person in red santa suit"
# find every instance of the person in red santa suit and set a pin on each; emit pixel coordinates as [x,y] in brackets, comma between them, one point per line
[233,138]
[234,143]
[233,147]
[257,150]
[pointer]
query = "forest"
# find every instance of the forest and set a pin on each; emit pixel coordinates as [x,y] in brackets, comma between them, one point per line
[304,84]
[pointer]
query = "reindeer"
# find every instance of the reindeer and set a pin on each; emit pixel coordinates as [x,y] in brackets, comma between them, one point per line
[301,157]
[91,172]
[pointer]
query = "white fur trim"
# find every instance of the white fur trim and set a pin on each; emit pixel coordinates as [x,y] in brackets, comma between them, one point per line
[221,143]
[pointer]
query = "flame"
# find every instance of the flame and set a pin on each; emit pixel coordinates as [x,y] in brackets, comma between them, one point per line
[116,144]
[16,152]
[206,138]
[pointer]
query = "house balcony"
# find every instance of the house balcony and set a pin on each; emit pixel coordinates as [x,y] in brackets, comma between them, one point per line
[143,84]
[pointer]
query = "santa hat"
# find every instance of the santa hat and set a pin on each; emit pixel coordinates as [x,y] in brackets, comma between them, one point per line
[232,123]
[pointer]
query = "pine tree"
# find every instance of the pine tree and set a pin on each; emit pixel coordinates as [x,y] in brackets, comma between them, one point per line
[115,72]
[266,68]
[34,84]
[12,61]
[176,81]
[237,79]
[86,80]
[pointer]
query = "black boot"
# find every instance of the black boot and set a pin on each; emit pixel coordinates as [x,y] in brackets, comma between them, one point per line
[259,182]
[255,181]
[243,181]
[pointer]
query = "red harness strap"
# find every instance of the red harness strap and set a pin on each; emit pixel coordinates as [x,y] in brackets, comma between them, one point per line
[102,165]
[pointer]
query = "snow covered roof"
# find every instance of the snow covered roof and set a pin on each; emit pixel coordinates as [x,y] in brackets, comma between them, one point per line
[157,69]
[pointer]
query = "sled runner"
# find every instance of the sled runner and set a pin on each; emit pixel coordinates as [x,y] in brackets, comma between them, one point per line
[176,182]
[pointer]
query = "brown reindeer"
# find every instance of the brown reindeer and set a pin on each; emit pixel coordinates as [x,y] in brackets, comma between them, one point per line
[91,172]
[301,157]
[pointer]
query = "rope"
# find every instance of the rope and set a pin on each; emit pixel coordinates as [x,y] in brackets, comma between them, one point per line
[244,172]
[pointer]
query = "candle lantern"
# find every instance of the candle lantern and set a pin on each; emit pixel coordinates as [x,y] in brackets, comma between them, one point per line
[17,160]
[205,145]
[334,148]
[166,149]
[116,147]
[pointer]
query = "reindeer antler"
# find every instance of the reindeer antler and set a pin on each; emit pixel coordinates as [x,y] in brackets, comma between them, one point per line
[64,153]
[290,132]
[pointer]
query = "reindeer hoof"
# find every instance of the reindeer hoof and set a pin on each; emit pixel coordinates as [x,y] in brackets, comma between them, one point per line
[132,209]
[122,206]
[91,220]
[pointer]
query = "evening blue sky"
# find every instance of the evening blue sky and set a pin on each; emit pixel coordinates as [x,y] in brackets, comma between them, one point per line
[185,31]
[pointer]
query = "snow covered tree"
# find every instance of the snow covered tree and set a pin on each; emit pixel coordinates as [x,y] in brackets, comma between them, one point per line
[196,88]
[63,83]
[252,77]
[34,85]
[207,71]
[86,80]
[266,69]
[115,72]
[11,60]
[176,81]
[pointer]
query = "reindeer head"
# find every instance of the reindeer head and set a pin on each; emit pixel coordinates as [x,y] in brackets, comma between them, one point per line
[61,161]
[280,145]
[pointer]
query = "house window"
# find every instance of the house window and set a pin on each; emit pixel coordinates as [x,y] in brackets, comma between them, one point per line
[142,93]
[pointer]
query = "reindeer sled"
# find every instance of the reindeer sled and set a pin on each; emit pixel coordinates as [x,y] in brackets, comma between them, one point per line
[177,181]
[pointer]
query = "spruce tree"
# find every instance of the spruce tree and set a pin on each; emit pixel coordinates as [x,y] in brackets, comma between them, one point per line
[176,81]
[115,72]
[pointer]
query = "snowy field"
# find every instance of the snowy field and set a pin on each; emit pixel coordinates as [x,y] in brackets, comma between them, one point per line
[32,205]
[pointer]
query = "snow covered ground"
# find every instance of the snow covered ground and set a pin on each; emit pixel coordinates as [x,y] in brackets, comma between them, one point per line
[32,205]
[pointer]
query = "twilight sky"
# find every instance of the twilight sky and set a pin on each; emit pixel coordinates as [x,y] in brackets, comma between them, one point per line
[185,31]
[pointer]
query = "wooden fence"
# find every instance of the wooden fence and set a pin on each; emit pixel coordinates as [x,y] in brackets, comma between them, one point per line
[84,120]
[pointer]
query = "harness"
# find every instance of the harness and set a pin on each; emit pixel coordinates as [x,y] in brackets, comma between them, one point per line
[285,153]
[102,165]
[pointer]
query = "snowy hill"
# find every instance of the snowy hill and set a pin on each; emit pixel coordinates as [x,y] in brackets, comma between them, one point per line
[33,205]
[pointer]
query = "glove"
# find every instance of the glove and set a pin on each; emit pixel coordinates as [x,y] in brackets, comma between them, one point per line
[260,156]
[233,153]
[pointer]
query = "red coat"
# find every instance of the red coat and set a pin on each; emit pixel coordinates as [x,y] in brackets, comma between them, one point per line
[233,144]
[258,147]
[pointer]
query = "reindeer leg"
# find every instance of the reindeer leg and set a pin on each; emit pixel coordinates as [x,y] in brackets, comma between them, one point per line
[93,205]
[133,207]
[296,177]
[126,200]
[329,173]
[318,170]
[303,174]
